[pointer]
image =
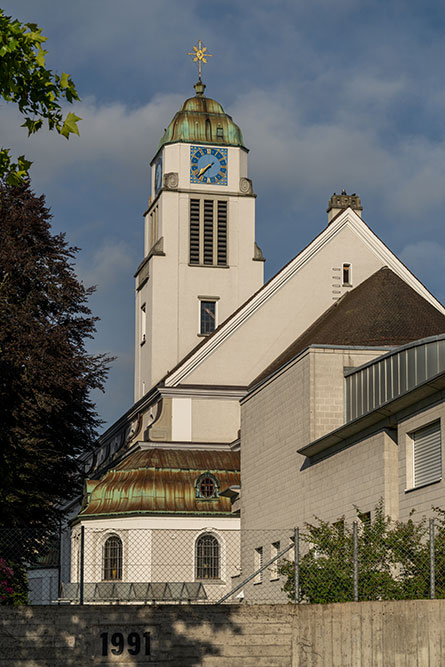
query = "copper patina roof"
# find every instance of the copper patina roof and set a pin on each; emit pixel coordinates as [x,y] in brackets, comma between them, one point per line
[204,121]
[162,481]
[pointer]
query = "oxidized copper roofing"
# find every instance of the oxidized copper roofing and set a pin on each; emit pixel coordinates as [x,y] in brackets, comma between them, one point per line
[162,481]
[198,122]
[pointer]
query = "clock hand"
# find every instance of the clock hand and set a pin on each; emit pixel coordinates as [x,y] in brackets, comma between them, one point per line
[204,169]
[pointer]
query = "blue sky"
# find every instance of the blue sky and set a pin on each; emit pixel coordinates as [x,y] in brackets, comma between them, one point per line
[329,95]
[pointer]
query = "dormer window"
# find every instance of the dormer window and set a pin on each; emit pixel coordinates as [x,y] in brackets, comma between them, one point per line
[206,486]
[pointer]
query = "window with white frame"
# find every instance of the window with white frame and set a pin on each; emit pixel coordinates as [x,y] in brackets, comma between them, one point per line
[258,564]
[275,550]
[208,232]
[112,559]
[207,316]
[208,557]
[427,454]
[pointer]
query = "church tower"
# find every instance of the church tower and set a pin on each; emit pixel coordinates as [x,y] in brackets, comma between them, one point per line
[200,257]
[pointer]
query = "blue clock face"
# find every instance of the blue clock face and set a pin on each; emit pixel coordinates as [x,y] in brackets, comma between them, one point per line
[208,165]
[158,175]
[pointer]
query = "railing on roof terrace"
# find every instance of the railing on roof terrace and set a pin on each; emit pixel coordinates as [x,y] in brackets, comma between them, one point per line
[393,375]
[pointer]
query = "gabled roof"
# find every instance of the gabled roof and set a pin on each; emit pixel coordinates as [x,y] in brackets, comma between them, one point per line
[162,481]
[345,218]
[382,311]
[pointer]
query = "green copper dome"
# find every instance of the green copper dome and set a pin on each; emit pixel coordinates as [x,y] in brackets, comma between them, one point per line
[202,120]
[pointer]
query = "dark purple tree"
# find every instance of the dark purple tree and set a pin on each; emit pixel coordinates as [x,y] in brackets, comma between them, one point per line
[47,418]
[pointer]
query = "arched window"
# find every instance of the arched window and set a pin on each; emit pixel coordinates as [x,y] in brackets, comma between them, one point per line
[112,559]
[207,557]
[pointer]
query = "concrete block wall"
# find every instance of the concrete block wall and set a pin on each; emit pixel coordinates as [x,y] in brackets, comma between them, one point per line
[299,404]
[327,386]
[275,421]
[362,634]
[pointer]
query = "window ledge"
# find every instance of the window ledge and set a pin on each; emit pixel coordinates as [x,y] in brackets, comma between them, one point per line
[211,266]
[212,582]
[257,583]
[422,486]
[200,335]
[274,579]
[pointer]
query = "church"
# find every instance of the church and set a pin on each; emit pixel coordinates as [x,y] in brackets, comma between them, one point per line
[292,389]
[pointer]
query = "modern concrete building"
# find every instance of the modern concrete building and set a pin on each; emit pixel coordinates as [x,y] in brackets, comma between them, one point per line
[351,414]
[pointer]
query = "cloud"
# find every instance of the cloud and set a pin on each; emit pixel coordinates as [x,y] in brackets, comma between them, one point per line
[110,263]
[114,146]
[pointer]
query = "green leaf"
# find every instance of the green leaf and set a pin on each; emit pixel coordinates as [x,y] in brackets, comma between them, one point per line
[32,125]
[24,163]
[40,57]
[37,91]
[70,125]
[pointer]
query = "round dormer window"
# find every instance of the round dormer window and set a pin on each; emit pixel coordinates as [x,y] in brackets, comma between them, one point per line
[207,486]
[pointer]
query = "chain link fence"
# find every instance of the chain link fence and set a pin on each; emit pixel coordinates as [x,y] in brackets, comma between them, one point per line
[325,562]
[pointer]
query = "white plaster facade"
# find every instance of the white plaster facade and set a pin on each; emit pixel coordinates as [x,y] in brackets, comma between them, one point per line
[158,549]
[167,302]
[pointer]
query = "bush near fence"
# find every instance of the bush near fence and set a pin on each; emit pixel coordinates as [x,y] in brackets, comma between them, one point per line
[369,560]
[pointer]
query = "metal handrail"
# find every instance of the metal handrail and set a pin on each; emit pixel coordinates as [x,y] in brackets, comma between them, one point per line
[249,578]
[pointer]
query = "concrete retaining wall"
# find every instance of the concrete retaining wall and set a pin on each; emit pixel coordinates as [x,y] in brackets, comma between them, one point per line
[352,634]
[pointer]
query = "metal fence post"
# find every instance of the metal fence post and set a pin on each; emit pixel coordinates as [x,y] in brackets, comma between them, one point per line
[432,562]
[355,558]
[82,563]
[59,569]
[296,565]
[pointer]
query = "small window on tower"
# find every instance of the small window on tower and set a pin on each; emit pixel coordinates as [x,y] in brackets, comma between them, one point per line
[143,323]
[347,274]
[208,317]
[219,132]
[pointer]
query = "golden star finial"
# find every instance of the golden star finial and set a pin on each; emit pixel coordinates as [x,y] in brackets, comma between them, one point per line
[199,55]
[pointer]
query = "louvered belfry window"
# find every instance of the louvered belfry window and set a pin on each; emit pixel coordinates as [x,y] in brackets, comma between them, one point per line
[208,232]
[427,444]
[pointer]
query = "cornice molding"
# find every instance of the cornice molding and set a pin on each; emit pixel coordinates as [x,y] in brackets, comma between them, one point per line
[220,393]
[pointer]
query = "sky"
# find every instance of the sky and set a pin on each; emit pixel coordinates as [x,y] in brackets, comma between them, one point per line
[329,95]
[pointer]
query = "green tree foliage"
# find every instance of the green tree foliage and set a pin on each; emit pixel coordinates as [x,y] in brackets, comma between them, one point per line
[393,560]
[37,91]
[47,419]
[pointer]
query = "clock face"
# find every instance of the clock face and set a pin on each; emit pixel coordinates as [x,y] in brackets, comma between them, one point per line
[158,175]
[208,165]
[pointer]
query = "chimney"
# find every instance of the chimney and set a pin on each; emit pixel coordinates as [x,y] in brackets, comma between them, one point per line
[338,203]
